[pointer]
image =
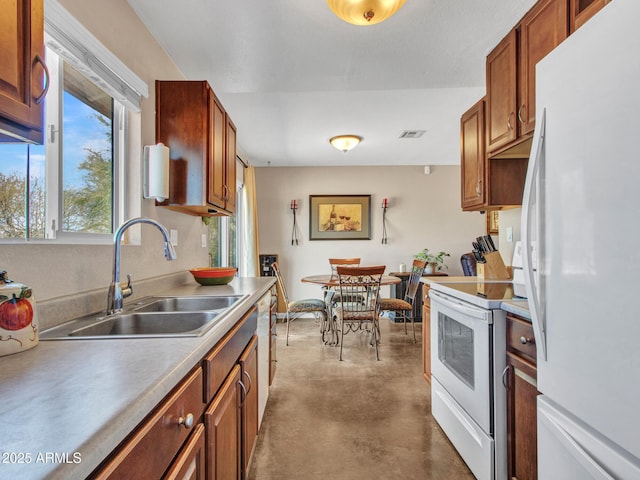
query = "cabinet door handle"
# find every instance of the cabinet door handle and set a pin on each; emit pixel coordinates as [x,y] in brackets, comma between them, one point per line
[505,372]
[246,374]
[524,340]
[39,98]
[478,188]
[186,422]
[509,126]
[522,108]
[244,396]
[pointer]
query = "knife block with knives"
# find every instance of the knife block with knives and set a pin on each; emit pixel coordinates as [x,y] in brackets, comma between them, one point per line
[493,268]
[489,264]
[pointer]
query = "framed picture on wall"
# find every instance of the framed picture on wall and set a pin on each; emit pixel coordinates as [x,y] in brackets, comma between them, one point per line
[339,217]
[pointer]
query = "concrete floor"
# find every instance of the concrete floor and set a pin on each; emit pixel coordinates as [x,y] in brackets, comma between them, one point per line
[355,419]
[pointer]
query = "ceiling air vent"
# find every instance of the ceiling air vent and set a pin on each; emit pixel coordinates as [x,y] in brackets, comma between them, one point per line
[412,133]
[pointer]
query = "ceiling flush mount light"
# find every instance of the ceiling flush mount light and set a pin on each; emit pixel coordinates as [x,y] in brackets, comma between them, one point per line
[364,12]
[345,142]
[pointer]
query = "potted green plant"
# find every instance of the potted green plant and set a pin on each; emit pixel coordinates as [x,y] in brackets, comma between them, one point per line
[435,261]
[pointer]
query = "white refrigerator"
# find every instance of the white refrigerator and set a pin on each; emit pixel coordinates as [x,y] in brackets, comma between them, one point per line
[582,185]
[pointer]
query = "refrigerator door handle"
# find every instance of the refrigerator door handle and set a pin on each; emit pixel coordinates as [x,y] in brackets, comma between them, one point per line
[537,318]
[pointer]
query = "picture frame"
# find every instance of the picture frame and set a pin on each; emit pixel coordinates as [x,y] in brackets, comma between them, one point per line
[492,222]
[339,217]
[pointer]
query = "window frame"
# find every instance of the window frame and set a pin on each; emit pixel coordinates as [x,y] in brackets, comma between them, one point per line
[73,43]
[55,161]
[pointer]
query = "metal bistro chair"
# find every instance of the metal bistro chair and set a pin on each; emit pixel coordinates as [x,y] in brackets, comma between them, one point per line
[358,308]
[405,307]
[332,297]
[299,307]
[342,262]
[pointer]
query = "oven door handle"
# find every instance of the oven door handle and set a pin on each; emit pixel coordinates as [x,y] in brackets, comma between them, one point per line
[452,303]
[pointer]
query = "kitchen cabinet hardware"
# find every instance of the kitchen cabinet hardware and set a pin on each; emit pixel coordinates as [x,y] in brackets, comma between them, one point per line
[246,374]
[524,340]
[38,100]
[505,373]
[243,397]
[186,422]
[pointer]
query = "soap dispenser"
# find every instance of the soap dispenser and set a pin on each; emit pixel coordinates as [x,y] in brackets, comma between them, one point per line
[18,317]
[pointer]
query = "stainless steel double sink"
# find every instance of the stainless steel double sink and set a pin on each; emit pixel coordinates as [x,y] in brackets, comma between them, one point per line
[166,316]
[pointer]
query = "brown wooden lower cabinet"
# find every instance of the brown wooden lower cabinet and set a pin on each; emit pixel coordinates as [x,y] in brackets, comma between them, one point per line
[150,449]
[426,333]
[274,335]
[522,392]
[190,463]
[223,430]
[206,428]
[249,412]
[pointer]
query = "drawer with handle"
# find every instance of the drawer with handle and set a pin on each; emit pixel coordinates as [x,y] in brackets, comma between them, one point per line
[157,440]
[520,338]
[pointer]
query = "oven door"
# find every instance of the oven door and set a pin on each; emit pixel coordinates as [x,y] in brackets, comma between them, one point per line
[461,354]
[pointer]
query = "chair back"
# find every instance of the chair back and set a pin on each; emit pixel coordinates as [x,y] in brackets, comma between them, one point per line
[346,262]
[417,269]
[280,280]
[359,292]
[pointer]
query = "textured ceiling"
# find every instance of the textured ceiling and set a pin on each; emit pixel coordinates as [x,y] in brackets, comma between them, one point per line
[292,75]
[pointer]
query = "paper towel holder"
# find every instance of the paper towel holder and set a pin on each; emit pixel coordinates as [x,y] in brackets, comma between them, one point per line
[156,172]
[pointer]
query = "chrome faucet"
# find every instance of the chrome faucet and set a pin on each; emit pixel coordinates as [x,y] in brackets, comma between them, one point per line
[116,293]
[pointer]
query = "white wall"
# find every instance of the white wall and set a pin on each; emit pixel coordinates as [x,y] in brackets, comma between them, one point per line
[509,219]
[424,212]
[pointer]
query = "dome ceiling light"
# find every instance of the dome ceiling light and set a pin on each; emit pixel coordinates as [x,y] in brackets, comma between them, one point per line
[345,142]
[364,12]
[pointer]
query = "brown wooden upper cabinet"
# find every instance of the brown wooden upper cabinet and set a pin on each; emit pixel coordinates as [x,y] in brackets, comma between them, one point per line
[24,78]
[487,183]
[541,30]
[583,10]
[502,99]
[191,121]
[472,157]
[511,73]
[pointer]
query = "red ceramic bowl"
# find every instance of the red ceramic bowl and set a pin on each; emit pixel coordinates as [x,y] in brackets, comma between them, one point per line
[213,275]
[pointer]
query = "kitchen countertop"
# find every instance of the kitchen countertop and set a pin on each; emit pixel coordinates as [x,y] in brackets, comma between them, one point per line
[445,279]
[67,404]
[517,307]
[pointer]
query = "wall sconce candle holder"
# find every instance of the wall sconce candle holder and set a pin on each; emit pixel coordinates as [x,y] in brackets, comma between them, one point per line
[385,205]
[294,231]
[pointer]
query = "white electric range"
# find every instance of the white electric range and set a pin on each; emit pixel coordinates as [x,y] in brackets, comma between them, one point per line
[468,358]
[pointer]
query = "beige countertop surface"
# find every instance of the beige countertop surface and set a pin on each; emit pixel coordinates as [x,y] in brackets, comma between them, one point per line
[66,404]
[518,307]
